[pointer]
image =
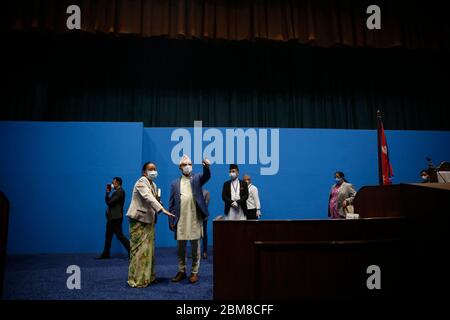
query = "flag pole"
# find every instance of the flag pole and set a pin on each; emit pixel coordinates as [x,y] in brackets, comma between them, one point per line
[380,173]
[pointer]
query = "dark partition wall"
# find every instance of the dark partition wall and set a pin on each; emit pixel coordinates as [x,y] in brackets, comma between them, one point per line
[4,218]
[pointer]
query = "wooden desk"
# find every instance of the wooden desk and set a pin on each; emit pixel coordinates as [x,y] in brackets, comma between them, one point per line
[404,229]
[308,259]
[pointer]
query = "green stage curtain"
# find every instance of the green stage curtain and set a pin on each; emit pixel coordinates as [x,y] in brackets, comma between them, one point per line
[163,82]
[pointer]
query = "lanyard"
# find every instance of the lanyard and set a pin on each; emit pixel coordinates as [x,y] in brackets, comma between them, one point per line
[234,186]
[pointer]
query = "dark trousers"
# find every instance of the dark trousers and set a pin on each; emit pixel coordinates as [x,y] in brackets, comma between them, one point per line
[114,227]
[251,214]
[205,236]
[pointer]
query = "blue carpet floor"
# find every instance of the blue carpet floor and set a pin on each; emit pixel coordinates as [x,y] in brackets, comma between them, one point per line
[43,276]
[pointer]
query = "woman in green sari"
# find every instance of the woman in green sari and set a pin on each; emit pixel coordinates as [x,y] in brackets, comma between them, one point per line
[145,205]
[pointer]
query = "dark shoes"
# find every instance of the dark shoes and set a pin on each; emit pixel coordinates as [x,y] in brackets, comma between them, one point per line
[193,278]
[103,256]
[180,276]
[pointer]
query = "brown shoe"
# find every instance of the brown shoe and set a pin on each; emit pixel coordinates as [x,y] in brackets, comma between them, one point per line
[193,278]
[180,276]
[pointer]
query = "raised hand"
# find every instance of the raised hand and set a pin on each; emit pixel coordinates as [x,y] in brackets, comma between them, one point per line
[206,163]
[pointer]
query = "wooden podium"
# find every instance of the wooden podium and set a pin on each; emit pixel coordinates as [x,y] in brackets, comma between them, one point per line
[419,200]
[402,230]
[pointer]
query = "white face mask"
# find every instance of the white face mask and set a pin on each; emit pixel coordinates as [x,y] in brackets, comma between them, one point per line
[233,175]
[152,174]
[112,187]
[187,169]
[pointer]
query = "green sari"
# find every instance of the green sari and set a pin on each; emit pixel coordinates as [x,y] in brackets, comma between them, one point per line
[141,271]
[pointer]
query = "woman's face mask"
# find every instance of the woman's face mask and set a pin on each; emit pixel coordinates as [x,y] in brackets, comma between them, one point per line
[338,180]
[424,178]
[152,174]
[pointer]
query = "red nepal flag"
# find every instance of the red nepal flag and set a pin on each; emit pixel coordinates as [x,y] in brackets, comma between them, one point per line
[386,167]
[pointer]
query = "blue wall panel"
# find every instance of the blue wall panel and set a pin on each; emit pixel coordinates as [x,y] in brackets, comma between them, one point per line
[54,175]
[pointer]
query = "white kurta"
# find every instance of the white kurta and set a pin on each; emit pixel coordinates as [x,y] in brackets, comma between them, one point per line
[235,213]
[190,225]
[253,198]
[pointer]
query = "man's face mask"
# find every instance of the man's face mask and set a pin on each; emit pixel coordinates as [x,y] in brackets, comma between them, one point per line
[187,169]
